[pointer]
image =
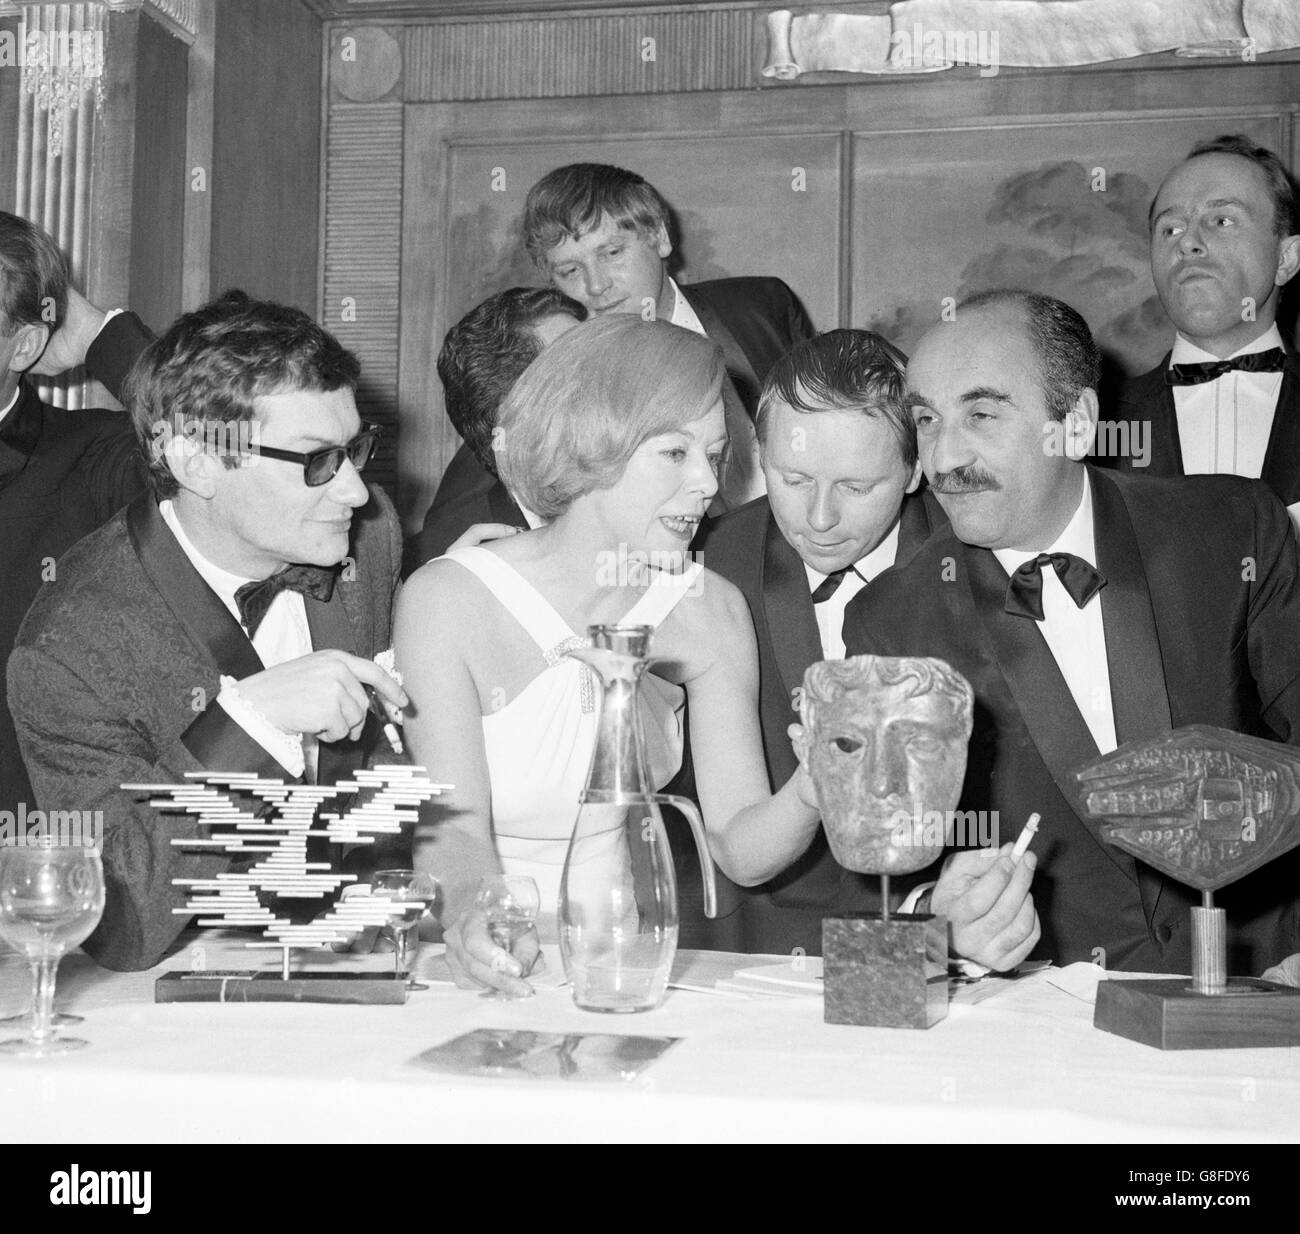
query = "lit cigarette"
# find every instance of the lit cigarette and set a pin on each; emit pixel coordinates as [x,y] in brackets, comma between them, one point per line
[390,729]
[1022,844]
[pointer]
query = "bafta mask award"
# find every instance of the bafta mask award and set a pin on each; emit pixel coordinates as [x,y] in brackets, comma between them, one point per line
[885,744]
[1205,806]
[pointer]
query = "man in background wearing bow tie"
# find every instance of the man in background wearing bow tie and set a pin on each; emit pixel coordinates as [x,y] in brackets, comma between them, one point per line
[226,620]
[1224,243]
[1087,609]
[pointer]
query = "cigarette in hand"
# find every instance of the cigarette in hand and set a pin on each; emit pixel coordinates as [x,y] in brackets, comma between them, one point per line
[390,729]
[1022,844]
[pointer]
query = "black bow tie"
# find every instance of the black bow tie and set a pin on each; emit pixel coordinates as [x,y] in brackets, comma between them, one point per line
[1271,361]
[1025,590]
[254,599]
[831,584]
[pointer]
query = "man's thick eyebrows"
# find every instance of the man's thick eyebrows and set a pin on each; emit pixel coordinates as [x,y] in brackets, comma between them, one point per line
[1219,202]
[1216,203]
[985,394]
[1172,208]
[913,400]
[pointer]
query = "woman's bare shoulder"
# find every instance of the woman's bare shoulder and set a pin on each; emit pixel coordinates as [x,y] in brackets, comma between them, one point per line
[719,599]
[712,608]
[439,589]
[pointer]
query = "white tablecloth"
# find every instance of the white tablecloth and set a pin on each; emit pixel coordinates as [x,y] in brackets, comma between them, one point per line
[1024,1065]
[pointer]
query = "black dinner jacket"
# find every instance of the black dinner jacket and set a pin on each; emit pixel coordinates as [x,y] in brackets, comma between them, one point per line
[754,320]
[114,681]
[1202,618]
[747,548]
[62,474]
[1150,398]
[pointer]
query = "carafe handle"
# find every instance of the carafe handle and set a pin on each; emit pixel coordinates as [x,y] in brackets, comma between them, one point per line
[692,815]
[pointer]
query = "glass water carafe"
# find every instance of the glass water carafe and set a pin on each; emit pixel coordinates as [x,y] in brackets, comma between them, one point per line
[618,894]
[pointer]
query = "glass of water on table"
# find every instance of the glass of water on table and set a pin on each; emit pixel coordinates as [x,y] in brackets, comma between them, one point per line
[413,896]
[51,899]
[511,903]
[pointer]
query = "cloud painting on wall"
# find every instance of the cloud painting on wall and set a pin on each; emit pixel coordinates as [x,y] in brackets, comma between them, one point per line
[1056,209]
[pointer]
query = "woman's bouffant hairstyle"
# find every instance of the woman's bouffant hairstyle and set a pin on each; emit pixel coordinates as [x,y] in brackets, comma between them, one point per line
[583,407]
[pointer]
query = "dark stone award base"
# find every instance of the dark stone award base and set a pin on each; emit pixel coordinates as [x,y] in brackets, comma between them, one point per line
[885,974]
[264,987]
[1170,1015]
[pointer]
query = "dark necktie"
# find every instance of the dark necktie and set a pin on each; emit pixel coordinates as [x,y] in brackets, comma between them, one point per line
[831,584]
[254,599]
[1271,361]
[1025,590]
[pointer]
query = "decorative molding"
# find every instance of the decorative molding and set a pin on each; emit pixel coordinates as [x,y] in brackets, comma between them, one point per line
[925,35]
[181,17]
[594,55]
[436,10]
[363,256]
[54,191]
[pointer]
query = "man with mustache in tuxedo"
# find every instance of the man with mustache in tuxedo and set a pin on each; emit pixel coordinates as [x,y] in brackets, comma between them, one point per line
[1087,609]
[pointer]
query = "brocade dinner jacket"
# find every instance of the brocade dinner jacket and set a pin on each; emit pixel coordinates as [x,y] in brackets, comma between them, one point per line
[114,680]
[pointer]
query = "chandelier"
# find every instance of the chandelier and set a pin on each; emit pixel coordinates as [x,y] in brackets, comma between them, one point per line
[62,48]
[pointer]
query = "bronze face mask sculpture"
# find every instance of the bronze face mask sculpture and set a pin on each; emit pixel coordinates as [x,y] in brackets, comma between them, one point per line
[885,743]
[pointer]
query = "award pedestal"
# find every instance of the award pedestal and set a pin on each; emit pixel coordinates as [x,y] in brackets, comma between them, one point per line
[885,972]
[1211,1012]
[265,987]
[1171,1015]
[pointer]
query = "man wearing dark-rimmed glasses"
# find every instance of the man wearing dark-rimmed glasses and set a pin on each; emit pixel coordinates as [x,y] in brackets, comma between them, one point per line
[226,620]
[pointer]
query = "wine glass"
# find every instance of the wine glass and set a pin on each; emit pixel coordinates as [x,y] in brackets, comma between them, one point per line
[511,903]
[51,898]
[413,896]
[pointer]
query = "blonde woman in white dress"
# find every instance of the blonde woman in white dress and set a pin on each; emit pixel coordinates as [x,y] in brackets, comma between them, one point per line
[614,436]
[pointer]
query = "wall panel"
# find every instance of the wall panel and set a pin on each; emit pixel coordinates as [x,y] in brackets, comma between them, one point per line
[915,187]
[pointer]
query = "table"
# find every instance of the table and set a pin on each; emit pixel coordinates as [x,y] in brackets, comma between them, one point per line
[1023,1065]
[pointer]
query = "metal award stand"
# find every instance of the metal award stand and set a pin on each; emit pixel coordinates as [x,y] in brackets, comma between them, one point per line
[1205,806]
[247,816]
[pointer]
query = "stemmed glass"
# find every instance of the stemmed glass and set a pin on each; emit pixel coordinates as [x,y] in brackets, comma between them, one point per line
[511,903]
[414,896]
[51,898]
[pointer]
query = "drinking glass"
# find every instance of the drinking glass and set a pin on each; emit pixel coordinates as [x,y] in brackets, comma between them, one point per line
[51,898]
[511,903]
[413,896]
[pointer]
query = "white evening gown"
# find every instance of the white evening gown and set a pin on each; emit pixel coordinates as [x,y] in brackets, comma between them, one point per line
[539,744]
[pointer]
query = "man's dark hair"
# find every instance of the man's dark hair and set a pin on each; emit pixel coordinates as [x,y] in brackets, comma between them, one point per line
[853,370]
[33,276]
[1281,188]
[567,203]
[1069,361]
[207,369]
[486,352]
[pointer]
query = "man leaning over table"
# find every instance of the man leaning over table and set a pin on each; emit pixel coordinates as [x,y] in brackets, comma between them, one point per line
[227,619]
[838,451]
[1087,609]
